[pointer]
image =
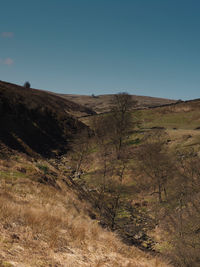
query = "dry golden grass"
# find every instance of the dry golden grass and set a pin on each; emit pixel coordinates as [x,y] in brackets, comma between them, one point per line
[42,226]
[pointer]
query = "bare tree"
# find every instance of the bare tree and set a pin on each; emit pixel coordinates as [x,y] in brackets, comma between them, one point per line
[102,176]
[156,163]
[121,119]
[80,147]
[182,212]
[112,131]
[110,135]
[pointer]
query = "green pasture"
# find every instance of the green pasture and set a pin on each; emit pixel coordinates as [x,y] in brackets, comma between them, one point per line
[169,120]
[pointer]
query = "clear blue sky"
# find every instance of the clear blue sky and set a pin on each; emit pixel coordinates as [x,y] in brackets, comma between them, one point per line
[144,47]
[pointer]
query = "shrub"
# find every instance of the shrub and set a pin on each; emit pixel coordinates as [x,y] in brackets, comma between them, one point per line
[27,85]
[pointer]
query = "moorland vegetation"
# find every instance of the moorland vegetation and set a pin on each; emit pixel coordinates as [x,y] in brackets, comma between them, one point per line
[119,188]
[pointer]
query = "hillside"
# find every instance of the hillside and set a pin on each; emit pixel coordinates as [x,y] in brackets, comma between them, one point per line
[183,115]
[91,187]
[102,103]
[35,121]
[181,122]
[43,224]
[47,216]
[160,172]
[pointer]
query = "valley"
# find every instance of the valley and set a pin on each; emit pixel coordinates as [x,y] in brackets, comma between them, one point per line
[114,183]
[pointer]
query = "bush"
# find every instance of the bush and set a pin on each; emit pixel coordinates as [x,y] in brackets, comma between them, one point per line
[27,85]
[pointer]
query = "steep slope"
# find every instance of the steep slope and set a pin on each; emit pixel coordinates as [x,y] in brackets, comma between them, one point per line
[41,225]
[35,121]
[102,103]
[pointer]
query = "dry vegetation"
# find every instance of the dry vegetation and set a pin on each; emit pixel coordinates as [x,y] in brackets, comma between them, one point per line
[37,122]
[136,173]
[161,179]
[102,103]
[44,226]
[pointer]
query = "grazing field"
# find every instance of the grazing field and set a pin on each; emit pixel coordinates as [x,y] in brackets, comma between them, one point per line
[102,103]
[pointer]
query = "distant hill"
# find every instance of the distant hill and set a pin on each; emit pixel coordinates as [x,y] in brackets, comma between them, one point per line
[35,121]
[102,103]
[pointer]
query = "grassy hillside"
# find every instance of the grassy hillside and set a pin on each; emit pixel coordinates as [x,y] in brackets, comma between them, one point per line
[47,217]
[180,121]
[162,152]
[100,198]
[43,223]
[184,115]
[102,103]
